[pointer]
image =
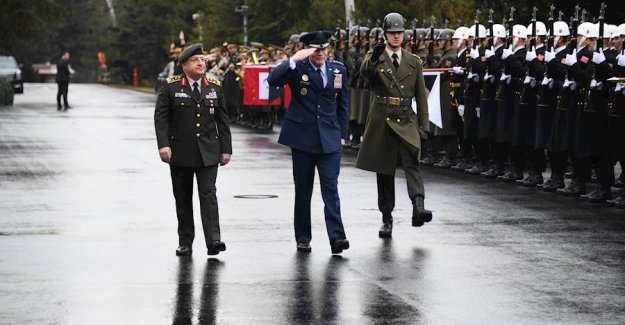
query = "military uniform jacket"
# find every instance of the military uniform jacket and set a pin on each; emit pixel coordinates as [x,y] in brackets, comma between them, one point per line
[317,117]
[197,132]
[494,65]
[458,80]
[379,148]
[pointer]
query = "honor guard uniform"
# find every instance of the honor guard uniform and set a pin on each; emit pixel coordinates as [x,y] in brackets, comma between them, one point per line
[461,35]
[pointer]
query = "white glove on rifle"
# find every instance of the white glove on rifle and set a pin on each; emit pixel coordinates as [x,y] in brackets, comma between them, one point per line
[531,55]
[474,54]
[598,57]
[489,53]
[506,53]
[571,58]
[549,56]
[621,60]
[461,110]
[477,110]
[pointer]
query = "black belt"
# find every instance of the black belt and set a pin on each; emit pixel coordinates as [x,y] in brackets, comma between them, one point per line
[393,101]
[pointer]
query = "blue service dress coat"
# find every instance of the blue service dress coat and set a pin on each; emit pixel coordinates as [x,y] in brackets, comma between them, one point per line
[317,117]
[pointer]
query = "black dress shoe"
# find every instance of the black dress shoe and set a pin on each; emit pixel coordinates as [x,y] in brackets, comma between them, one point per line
[386,231]
[419,214]
[532,180]
[493,172]
[462,166]
[339,245]
[183,250]
[599,195]
[619,202]
[573,189]
[552,184]
[477,169]
[511,177]
[619,182]
[215,247]
[304,247]
[446,163]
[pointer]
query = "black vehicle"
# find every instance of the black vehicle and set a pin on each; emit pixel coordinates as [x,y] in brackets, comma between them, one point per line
[11,72]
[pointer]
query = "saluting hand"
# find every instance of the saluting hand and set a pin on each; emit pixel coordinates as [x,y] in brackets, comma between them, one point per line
[378,49]
[302,54]
[165,153]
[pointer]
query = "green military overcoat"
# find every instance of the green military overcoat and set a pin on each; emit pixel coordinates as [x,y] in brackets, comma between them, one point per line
[380,148]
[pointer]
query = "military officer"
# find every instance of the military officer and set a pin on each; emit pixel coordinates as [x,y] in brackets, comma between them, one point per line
[393,129]
[193,135]
[315,127]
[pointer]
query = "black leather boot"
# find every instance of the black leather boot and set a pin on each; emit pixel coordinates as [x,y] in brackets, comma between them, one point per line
[552,184]
[575,188]
[419,214]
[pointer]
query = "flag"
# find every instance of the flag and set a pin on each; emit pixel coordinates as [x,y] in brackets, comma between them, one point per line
[433,84]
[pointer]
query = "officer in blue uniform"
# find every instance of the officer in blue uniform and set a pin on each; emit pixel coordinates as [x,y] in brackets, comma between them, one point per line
[315,127]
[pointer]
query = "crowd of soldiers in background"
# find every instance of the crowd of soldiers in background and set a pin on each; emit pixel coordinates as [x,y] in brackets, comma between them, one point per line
[514,97]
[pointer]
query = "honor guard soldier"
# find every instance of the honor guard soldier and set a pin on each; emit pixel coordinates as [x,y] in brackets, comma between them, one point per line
[510,86]
[524,124]
[315,127]
[580,76]
[393,129]
[487,127]
[616,121]
[193,135]
[548,117]
[461,36]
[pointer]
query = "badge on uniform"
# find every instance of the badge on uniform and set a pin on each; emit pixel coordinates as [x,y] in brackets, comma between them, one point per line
[305,77]
[303,91]
[211,95]
[338,81]
[181,95]
[211,110]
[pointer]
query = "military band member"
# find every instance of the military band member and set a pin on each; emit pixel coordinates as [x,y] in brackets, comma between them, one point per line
[193,135]
[315,127]
[393,128]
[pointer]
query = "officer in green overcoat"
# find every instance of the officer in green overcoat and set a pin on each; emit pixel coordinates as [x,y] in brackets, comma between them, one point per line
[393,128]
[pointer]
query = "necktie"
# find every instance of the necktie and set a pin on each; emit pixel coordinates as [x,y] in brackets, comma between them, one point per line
[196,92]
[320,77]
[395,62]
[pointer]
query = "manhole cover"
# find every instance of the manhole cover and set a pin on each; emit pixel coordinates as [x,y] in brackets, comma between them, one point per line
[256,196]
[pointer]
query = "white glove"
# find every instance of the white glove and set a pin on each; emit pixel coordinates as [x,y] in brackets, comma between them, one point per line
[470,75]
[506,78]
[461,110]
[569,84]
[527,79]
[458,70]
[489,53]
[619,87]
[477,110]
[506,53]
[549,56]
[530,55]
[621,60]
[489,78]
[475,54]
[593,83]
[571,58]
[598,57]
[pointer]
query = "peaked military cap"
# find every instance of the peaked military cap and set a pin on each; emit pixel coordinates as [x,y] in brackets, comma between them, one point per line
[319,39]
[190,51]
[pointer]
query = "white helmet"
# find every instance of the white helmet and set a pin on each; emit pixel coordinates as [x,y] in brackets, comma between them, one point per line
[518,32]
[560,28]
[613,30]
[606,31]
[541,30]
[621,29]
[584,29]
[461,33]
[499,31]
[481,31]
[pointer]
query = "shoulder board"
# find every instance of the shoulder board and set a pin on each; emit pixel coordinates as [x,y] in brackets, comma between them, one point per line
[337,62]
[173,79]
[214,81]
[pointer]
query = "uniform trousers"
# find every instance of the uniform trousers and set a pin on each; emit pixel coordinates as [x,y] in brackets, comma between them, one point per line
[328,166]
[386,183]
[182,181]
[63,87]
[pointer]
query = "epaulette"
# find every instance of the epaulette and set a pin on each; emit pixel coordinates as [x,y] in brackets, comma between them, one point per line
[173,79]
[418,58]
[214,81]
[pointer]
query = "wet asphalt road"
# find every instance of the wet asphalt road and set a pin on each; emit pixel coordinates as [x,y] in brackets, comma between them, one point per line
[88,233]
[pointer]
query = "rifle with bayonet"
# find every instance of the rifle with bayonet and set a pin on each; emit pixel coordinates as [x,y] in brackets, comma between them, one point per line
[510,26]
[533,21]
[551,22]
[414,48]
[430,59]
[491,40]
[476,22]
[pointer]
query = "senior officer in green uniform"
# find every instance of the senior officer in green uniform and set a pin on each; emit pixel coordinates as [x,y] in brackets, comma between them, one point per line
[193,137]
[393,129]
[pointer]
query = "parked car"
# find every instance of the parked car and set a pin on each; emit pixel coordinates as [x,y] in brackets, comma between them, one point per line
[11,72]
